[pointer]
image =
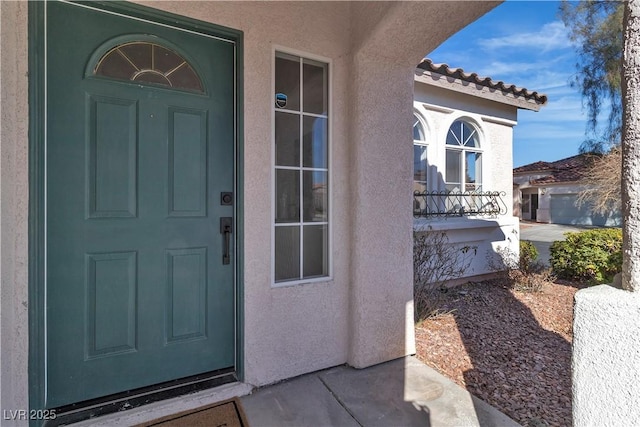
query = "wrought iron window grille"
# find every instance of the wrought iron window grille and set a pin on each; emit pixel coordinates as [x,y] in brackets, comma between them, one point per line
[431,204]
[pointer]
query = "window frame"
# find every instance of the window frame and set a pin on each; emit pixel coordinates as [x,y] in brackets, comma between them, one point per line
[276,49]
[463,150]
[101,71]
[526,203]
[422,143]
[117,41]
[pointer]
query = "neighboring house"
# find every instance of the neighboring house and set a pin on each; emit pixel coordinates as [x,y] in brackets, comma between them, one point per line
[463,140]
[210,192]
[548,192]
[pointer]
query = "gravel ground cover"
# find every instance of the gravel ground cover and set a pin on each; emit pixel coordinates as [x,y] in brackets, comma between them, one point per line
[512,349]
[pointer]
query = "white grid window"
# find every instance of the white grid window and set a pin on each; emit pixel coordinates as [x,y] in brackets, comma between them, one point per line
[301,135]
[420,164]
[463,171]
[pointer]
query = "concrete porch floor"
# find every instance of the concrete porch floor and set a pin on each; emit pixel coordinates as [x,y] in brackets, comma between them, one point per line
[403,392]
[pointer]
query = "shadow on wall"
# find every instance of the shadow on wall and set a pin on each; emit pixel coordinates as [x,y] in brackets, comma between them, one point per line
[434,197]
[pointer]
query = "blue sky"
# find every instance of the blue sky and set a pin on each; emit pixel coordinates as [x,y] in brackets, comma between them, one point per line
[525,43]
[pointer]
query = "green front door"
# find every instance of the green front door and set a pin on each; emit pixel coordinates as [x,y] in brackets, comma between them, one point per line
[140,136]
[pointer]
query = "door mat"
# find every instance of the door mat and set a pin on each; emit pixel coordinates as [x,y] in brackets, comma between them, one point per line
[222,414]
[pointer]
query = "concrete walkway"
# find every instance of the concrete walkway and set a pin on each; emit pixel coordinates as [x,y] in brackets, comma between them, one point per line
[542,235]
[403,392]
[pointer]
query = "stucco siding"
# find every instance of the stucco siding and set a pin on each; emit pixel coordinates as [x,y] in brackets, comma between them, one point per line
[462,102]
[13,206]
[499,153]
[381,235]
[484,241]
[606,357]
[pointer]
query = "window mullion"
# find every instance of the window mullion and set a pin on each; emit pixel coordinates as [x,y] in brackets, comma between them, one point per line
[463,171]
[300,145]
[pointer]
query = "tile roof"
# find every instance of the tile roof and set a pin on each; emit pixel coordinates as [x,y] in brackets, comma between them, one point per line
[531,167]
[570,169]
[458,73]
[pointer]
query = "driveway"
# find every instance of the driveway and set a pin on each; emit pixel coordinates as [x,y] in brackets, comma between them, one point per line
[542,235]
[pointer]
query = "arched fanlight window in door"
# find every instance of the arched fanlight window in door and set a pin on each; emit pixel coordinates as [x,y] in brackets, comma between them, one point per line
[146,62]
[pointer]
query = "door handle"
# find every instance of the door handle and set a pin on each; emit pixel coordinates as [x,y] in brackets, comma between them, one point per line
[226,228]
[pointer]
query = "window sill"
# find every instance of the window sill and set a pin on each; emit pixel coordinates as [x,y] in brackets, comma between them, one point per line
[458,223]
[291,283]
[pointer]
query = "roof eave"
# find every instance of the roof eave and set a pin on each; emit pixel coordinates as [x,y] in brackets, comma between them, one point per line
[474,89]
[531,172]
[555,183]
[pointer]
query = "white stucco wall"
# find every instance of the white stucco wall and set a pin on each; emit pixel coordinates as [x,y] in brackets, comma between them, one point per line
[381,235]
[440,108]
[487,241]
[441,97]
[364,314]
[606,358]
[517,201]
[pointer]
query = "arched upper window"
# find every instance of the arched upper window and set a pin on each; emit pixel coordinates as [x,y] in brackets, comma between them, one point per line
[463,158]
[147,62]
[420,166]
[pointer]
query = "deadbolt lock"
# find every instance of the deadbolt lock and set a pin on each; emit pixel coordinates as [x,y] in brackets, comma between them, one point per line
[226,198]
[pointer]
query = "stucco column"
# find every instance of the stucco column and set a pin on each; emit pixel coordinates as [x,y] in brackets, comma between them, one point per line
[14,202]
[389,39]
[606,330]
[606,357]
[381,300]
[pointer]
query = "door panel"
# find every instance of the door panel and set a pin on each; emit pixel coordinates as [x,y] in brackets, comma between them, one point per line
[112,126]
[111,303]
[186,294]
[136,292]
[187,163]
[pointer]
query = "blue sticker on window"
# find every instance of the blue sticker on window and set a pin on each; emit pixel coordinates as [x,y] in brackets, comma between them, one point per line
[281,100]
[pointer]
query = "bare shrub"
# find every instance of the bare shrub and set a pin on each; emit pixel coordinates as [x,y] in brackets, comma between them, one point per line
[602,182]
[521,273]
[436,262]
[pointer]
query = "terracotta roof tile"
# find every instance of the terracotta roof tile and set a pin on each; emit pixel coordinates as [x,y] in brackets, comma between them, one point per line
[458,73]
[537,166]
[570,169]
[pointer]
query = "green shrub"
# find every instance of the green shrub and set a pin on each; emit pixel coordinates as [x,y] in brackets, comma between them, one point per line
[593,255]
[528,256]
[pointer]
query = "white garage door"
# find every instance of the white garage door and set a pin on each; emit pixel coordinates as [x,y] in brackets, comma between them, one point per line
[563,210]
